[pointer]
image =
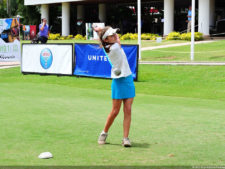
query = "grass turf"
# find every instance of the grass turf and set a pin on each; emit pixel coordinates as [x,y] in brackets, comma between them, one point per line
[213,51]
[178,118]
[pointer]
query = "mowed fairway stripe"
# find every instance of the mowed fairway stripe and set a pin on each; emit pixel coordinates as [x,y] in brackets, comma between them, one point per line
[67,120]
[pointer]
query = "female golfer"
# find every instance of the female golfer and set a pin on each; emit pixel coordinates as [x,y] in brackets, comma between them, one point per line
[123,89]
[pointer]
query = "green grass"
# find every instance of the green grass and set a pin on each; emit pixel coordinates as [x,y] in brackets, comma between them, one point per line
[148,43]
[178,119]
[203,52]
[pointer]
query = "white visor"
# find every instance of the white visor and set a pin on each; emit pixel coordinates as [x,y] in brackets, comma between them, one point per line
[109,32]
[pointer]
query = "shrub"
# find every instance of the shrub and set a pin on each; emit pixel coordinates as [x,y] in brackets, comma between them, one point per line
[134,36]
[119,35]
[127,36]
[145,36]
[184,36]
[173,36]
[58,37]
[54,36]
[187,36]
[198,36]
[149,36]
[79,37]
[62,38]
[69,37]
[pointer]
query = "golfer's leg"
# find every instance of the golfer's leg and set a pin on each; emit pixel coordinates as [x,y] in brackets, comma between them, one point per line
[127,103]
[116,104]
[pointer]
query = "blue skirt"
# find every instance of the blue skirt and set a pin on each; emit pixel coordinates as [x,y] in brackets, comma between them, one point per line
[123,88]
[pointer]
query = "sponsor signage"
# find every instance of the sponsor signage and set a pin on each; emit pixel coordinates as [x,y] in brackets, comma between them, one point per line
[47,58]
[92,61]
[9,40]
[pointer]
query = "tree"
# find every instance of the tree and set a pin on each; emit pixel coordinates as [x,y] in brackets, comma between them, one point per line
[31,14]
[11,8]
[3,9]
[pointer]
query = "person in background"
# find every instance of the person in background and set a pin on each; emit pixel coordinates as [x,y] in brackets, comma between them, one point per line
[43,31]
[189,20]
[80,26]
[26,32]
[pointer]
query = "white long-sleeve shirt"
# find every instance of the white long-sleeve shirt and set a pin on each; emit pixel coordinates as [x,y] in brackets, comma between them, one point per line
[119,61]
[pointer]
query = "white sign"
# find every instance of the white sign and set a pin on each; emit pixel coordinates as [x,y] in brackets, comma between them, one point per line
[9,52]
[9,40]
[47,58]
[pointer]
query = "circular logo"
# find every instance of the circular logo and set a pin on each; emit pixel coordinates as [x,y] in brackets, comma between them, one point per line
[46,58]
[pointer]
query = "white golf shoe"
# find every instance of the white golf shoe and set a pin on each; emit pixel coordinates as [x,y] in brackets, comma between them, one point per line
[126,142]
[102,137]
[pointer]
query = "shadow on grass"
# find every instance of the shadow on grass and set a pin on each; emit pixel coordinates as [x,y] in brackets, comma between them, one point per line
[140,145]
[216,57]
[134,145]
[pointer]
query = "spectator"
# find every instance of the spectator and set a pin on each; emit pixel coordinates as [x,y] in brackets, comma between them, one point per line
[43,31]
[26,32]
[189,20]
[80,26]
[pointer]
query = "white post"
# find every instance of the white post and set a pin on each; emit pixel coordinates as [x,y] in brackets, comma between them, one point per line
[139,28]
[193,30]
[45,12]
[65,19]
[203,20]
[212,12]
[80,12]
[168,16]
[102,12]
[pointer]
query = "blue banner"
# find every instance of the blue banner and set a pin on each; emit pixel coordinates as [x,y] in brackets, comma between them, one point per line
[91,60]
